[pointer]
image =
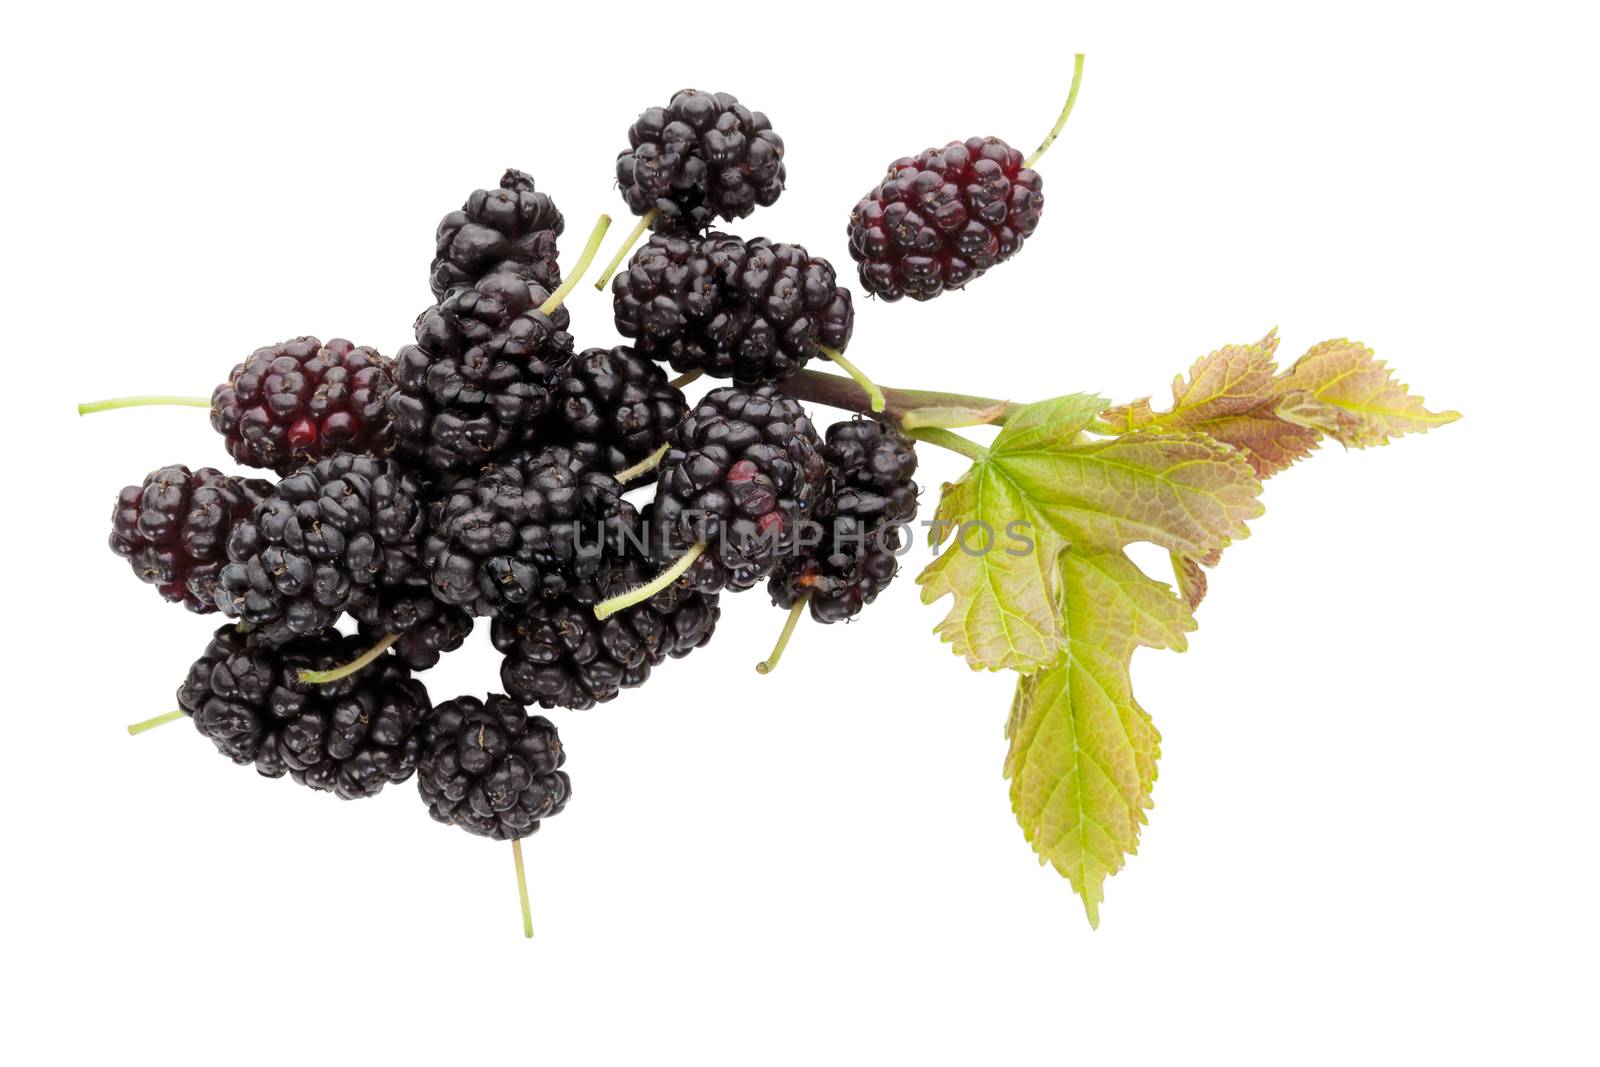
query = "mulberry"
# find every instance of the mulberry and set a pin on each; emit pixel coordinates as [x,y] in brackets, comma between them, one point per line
[350,737]
[615,408]
[942,218]
[300,401]
[744,470]
[557,654]
[527,526]
[484,369]
[173,529]
[861,523]
[512,228]
[332,532]
[703,156]
[491,768]
[753,311]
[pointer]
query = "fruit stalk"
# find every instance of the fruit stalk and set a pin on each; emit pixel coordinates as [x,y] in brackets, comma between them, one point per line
[643,467]
[607,608]
[144,402]
[768,665]
[1066,113]
[363,660]
[585,258]
[522,887]
[875,399]
[150,724]
[633,238]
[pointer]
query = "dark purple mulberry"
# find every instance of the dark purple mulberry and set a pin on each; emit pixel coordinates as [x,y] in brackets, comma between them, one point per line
[491,768]
[754,311]
[300,401]
[332,533]
[615,407]
[530,525]
[861,524]
[350,737]
[704,156]
[557,654]
[173,529]
[512,228]
[483,371]
[742,474]
[941,219]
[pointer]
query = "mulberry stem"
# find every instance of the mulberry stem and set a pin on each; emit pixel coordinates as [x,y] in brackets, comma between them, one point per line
[586,257]
[837,391]
[144,402]
[770,664]
[875,398]
[687,378]
[953,441]
[643,467]
[150,724]
[607,608]
[522,887]
[336,673]
[951,418]
[1066,112]
[633,238]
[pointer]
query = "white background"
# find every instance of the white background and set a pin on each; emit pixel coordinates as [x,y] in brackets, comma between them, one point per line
[1374,829]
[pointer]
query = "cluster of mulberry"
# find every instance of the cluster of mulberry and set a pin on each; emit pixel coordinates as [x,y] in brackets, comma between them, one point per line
[485,472]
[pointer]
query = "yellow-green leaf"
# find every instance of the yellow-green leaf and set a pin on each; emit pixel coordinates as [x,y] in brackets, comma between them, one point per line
[1083,753]
[1046,480]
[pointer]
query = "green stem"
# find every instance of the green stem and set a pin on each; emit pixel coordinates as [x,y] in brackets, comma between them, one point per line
[336,673]
[875,398]
[150,724]
[144,402]
[633,238]
[522,887]
[933,435]
[585,258]
[688,378]
[837,391]
[607,608]
[1066,112]
[768,665]
[643,467]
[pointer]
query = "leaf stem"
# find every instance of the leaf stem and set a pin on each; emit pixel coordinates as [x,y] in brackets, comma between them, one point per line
[633,238]
[687,378]
[621,602]
[1066,112]
[522,887]
[150,724]
[643,467]
[933,435]
[144,402]
[585,258]
[951,418]
[768,665]
[336,673]
[838,391]
[875,398]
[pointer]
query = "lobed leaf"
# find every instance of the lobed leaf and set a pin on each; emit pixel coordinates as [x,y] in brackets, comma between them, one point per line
[1082,757]
[1185,492]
